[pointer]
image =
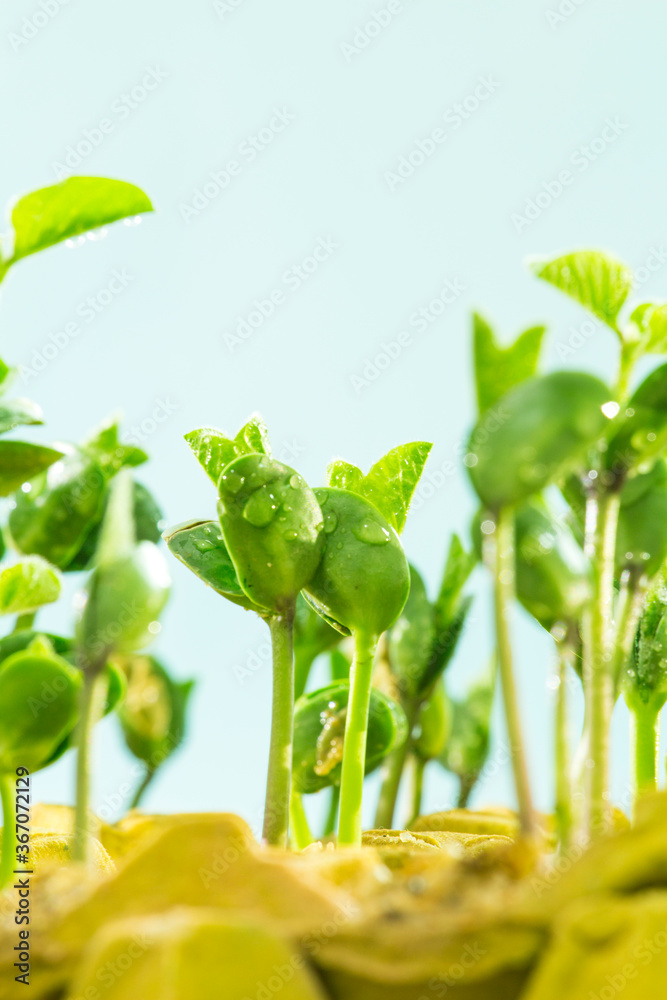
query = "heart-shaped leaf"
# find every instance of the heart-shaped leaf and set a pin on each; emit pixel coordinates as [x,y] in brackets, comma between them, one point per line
[498,369]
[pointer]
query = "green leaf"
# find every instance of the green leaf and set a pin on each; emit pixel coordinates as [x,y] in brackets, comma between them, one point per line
[55,517]
[458,567]
[148,523]
[27,585]
[39,694]
[319,728]
[595,279]
[498,369]
[434,725]
[444,646]
[17,412]
[390,483]
[553,576]
[152,714]
[312,636]
[214,450]
[363,579]
[199,545]
[539,432]
[645,679]
[105,447]
[411,639]
[21,461]
[61,211]
[4,372]
[273,528]
[468,745]
[641,537]
[642,427]
[650,320]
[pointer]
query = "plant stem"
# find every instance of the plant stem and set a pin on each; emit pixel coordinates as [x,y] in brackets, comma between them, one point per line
[299,827]
[354,745]
[628,613]
[602,510]
[562,751]
[644,750]
[332,815]
[279,780]
[466,785]
[504,567]
[142,787]
[91,707]
[24,622]
[418,765]
[7,795]
[392,774]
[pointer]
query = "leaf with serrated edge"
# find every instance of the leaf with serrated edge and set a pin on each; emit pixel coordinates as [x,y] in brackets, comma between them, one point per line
[600,282]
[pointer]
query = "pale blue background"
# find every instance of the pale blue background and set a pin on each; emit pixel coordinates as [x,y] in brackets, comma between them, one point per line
[555,83]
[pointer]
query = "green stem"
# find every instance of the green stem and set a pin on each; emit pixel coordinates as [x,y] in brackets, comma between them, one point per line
[8,797]
[142,787]
[299,827]
[418,765]
[24,622]
[504,567]
[332,815]
[392,774]
[628,612]
[279,780]
[93,694]
[354,745]
[466,785]
[598,660]
[644,750]
[562,750]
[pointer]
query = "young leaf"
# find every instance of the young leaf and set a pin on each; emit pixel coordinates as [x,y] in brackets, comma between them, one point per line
[148,524]
[39,694]
[273,528]
[105,447]
[199,545]
[390,483]
[214,450]
[498,369]
[4,373]
[468,745]
[61,211]
[27,585]
[55,517]
[17,412]
[595,279]
[319,728]
[650,319]
[411,639]
[458,567]
[642,427]
[539,432]
[645,679]
[434,725]
[21,461]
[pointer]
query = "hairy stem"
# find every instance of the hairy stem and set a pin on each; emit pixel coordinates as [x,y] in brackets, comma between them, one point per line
[279,780]
[93,694]
[504,572]
[300,834]
[391,777]
[644,750]
[7,795]
[354,745]
[599,682]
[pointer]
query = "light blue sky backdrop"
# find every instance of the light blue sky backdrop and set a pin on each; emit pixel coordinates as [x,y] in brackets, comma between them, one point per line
[377,170]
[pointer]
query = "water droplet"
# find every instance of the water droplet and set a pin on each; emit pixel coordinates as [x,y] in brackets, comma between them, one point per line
[260,509]
[203,545]
[296,482]
[232,481]
[470,460]
[371,533]
[610,409]
[488,527]
[330,522]
[592,474]
[651,436]
[339,546]
[291,535]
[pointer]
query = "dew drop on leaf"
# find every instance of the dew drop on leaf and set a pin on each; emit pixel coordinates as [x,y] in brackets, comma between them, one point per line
[371,533]
[330,522]
[260,509]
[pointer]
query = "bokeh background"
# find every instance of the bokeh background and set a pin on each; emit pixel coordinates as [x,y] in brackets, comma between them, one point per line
[549,120]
